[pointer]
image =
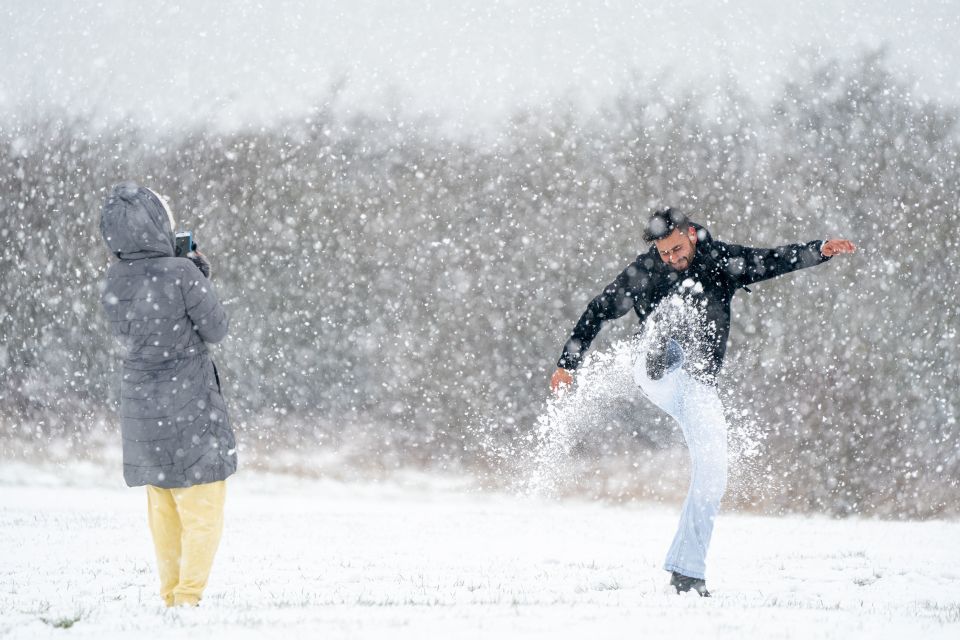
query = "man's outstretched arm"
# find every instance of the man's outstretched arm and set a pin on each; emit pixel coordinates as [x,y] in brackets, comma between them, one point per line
[749,265]
[616,299]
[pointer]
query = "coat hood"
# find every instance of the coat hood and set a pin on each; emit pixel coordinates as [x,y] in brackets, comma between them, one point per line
[135,223]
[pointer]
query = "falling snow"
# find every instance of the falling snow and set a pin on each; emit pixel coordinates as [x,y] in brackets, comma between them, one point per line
[404,225]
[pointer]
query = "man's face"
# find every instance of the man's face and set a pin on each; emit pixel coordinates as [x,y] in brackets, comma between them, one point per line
[678,248]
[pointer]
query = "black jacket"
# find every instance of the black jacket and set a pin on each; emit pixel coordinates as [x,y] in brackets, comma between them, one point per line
[717,271]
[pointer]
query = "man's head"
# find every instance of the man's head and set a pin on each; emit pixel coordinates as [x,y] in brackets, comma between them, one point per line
[674,237]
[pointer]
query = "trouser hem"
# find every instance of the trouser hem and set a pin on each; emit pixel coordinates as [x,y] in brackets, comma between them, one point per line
[186,601]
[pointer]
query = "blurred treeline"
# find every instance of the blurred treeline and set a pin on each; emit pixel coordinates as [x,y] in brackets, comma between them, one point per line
[404,295]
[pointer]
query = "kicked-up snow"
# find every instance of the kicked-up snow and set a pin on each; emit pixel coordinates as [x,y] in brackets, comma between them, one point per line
[415,559]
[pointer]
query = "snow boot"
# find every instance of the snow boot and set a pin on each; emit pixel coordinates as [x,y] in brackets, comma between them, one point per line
[683,584]
[663,356]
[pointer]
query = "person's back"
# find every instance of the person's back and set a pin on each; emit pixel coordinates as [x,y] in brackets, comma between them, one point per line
[145,304]
[177,438]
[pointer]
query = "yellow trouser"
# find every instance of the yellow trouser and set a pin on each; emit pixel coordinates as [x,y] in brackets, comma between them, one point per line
[186,526]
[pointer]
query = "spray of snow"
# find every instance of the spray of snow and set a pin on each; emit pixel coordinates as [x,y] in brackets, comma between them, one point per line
[543,458]
[571,414]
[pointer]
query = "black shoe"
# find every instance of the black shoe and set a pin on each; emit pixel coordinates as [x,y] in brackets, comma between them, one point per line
[662,356]
[656,362]
[684,584]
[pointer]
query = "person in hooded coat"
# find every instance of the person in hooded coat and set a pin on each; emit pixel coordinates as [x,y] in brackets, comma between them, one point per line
[177,438]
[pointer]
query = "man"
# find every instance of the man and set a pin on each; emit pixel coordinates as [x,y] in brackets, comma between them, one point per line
[687,269]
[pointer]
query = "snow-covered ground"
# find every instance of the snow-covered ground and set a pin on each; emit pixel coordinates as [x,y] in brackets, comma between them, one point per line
[303,558]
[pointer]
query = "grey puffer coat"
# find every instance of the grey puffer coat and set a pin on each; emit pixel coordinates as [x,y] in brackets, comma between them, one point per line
[173,418]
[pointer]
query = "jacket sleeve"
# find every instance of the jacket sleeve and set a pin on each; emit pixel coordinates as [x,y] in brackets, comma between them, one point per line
[203,307]
[747,265]
[617,298]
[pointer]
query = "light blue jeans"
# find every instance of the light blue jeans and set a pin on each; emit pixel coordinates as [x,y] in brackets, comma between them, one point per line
[697,408]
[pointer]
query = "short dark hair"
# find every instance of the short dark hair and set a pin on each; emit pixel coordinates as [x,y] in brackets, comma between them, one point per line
[662,223]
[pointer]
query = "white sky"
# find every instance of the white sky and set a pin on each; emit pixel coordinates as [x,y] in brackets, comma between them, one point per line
[236,62]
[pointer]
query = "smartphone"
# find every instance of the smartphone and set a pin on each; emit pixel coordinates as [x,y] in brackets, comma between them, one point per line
[184,244]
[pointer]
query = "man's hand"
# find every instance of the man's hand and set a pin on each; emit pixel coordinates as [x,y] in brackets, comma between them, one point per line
[831,248]
[561,378]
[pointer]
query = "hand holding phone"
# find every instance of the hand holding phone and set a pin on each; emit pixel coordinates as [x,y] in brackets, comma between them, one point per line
[184,244]
[187,248]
